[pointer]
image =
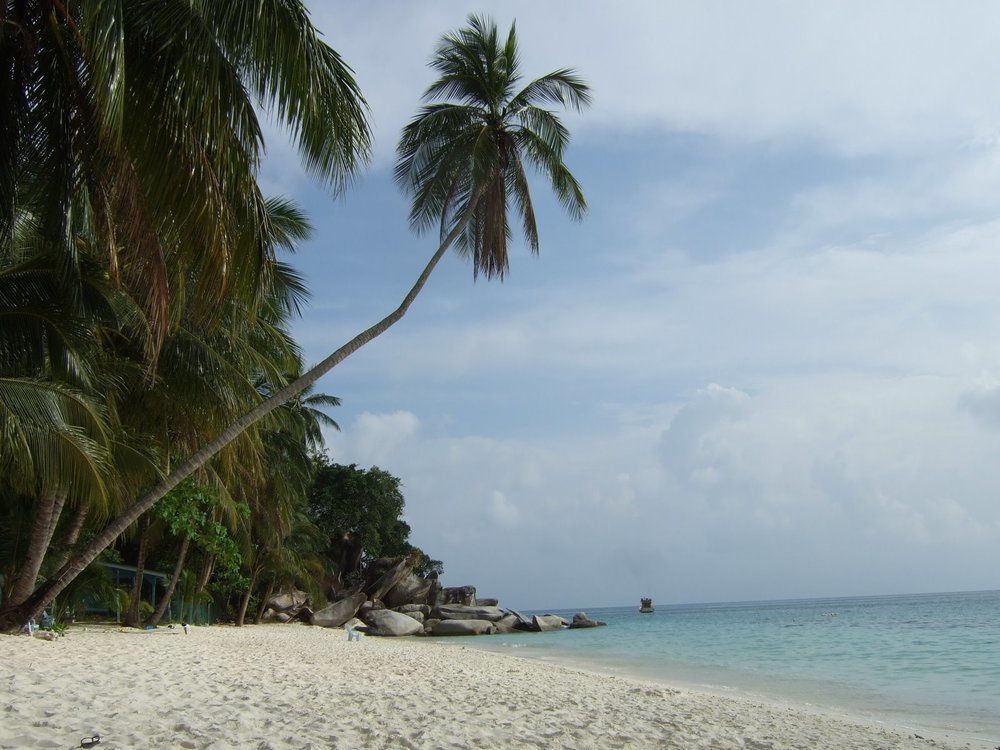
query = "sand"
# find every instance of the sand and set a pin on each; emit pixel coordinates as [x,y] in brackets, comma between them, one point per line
[292,686]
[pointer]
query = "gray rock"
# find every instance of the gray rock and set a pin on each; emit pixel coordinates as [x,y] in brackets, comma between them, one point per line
[544,623]
[481,602]
[355,624]
[416,615]
[388,623]
[340,612]
[269,615]
[580,620]
[288,600]
[391,578]
[421,608]
[410,589]
[462,627]
[460,612]
[464,595]
[282,617]
[506,624]
[521,619]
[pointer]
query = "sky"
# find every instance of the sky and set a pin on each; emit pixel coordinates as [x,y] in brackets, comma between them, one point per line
[767,363]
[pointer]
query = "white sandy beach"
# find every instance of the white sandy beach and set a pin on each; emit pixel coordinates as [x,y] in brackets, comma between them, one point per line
[280,686]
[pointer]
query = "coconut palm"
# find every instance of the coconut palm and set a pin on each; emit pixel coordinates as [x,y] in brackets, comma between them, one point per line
[462,160]
[142,118]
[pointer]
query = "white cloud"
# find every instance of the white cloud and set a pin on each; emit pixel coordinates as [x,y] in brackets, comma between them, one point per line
[504,512]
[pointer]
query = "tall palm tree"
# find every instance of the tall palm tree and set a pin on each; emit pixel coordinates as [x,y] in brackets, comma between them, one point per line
[141,117]
[461,159]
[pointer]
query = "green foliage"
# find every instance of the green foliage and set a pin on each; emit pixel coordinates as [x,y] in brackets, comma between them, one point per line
[367,505]
[365,502]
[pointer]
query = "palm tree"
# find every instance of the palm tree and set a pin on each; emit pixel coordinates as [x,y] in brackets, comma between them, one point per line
[462,160]
[140,118]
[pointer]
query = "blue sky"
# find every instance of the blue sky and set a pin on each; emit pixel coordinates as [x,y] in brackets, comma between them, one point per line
[766,365]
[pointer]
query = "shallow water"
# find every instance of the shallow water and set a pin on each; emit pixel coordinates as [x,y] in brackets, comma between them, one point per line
[929,660]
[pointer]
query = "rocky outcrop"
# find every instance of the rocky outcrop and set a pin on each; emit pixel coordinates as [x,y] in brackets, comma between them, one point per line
[461,627]
[421,608]
[580,620]
[410,588]
[464,595]
[545,623]
[415,614]
[460,612]
[336,614]
[481,602]
[397,572]
[385,622]
[506,624]
[288,600]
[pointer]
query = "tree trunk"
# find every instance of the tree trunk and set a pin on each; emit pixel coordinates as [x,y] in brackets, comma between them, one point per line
[263,603]
[49,508]
[72,534]
[132,616]
[13,619]
[154,619]
[206,572]
[246,602]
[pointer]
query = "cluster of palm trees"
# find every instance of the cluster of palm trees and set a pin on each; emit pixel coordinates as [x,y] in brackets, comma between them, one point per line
[145,304]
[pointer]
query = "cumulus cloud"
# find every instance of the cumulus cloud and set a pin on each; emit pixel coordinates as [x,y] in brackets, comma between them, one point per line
[804,403]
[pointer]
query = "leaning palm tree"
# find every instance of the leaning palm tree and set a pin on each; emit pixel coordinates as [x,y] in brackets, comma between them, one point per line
[462,160]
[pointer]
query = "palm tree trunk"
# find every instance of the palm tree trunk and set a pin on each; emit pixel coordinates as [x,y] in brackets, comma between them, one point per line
[161,608]
[72,534]
[49,508]
[132,616]
[263,603]
[206,572]
[17,616]
[246,602]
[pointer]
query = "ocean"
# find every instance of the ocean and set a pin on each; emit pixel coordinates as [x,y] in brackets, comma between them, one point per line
[918,661]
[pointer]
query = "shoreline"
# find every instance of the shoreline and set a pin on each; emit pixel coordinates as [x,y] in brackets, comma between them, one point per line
[967,737]
[295,686]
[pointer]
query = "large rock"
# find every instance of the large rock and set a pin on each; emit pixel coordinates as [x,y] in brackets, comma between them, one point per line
[288,600]
[340,612]
[392,577]
[411,589]
[387,622]
[416,615]
[580,620]
[421,608]
[461,627]
[464,595]
[544,623]
[355,624]
[481,602]
[506,624]
[521,619]
[459,612]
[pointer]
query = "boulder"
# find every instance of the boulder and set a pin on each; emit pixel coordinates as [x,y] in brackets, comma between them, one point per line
[395,575]
[411,588]
[464,595]
[340,612]
[304,615]
[288,600]
[416,615]
[521,619]
[462,627]
[506,624]
[355,624]
[282,617]
[422,608]
[460,612]
[429,626]
[269,614]
[544,623]
[388,623]
[481,602]
[580,620]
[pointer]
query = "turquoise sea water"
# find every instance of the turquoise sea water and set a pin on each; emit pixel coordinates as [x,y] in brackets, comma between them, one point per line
[928,660]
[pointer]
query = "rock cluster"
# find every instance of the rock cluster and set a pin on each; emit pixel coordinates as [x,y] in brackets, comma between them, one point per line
[392,600]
